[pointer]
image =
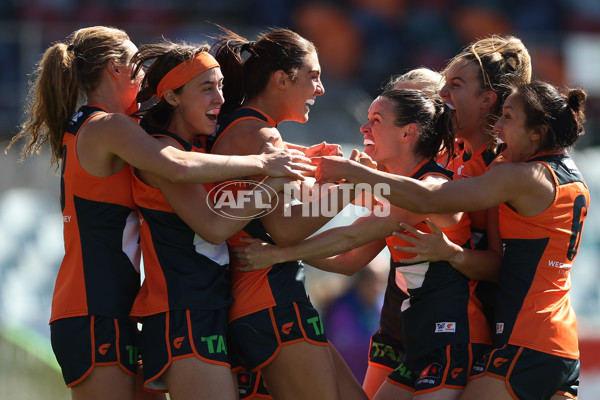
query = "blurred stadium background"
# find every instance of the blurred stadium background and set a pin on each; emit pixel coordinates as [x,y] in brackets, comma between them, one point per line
[361,43]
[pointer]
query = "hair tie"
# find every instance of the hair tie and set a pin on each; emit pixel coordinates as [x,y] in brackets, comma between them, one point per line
[185,72]
[248,46]
[70,48]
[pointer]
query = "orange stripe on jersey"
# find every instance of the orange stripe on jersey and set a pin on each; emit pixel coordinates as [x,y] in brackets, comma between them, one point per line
[160,242]
[253,291]
[539,253]
[475,165]
[251,285]
[459,233]
[95,212]
[256,115]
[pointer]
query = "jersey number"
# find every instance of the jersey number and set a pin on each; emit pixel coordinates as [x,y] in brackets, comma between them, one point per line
[579,213]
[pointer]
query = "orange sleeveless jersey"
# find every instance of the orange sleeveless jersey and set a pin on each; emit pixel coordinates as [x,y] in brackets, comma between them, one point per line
[182,270]
[98,273]
[257,290]
[458,233]
[439,294]
[465,166]
[533,304]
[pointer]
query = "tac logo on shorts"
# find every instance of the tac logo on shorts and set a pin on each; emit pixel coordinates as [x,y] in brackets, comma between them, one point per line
[445,327]
[317,324]
[404,371]
[499,327]
[227,197]
[385,351]
[215,344]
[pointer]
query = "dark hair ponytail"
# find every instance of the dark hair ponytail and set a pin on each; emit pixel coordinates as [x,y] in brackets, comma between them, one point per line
[563,113]
[247,65]
[430,114]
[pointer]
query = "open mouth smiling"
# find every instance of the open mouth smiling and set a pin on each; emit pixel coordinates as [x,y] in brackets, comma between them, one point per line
[213,114]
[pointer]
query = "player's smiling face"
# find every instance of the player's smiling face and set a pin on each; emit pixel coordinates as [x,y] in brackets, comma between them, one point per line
[198,104]
[381,134]
[305,89]
[462,92]
[512,129]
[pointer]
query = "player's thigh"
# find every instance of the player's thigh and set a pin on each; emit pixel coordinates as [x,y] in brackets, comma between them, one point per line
[440,394]
[391,391]
[105,382]
[302,370]
[192,378]
[374,378]
[486,387]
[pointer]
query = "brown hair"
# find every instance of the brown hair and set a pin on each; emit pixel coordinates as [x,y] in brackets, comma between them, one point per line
[66,73]
[246,77]
[163,57]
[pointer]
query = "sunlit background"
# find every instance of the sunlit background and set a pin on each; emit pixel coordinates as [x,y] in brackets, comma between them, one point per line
[361,43]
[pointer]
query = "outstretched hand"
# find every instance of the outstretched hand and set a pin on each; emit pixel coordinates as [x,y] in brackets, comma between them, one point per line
[363,158]
[256,256]
[278,162]
[434,246]
[323,149]
[331,168]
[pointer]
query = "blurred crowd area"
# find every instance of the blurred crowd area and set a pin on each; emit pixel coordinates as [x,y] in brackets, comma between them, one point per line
[361,44]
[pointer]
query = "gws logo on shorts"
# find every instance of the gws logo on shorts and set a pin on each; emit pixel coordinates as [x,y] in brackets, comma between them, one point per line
[287,328]
[103,348]
[227,197]
[456,372]
[445,327]
[178,341]
[499,328]
[499,361]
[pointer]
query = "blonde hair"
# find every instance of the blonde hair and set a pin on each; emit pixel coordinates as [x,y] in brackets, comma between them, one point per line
[429,81]
[503,62]
[66,73]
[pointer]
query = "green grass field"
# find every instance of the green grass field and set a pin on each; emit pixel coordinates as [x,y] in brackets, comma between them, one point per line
[28,369]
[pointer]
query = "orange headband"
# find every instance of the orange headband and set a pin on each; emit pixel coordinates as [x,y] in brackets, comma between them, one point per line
[185,72]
